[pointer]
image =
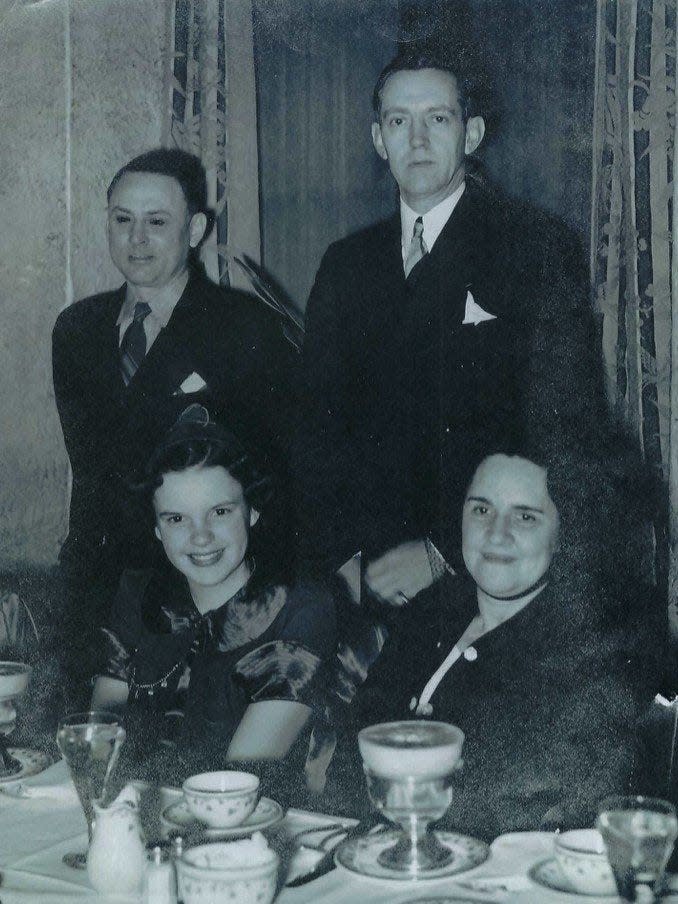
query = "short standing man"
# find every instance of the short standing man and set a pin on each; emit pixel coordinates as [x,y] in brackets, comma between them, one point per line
[127,362]
[429,335]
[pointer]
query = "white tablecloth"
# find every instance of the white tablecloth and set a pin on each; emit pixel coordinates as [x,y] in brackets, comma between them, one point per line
[36,833]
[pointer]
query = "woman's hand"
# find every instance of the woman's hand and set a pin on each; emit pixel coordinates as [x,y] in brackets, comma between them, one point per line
[400,574]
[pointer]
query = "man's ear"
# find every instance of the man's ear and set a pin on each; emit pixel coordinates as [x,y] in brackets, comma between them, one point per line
[475,130]
[254,517]
[157,532]
[378,141]
[196,229]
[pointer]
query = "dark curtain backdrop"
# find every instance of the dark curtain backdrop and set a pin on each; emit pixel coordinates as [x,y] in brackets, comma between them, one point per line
[320,178]
[542,55]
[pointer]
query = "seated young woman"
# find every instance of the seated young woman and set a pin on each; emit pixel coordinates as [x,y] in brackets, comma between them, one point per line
[542,653]
[212,648]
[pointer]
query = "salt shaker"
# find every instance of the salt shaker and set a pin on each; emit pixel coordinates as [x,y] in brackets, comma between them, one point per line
[160,881]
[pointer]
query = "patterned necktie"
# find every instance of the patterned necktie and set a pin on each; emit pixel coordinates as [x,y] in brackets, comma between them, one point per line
[133,345]
[417,247]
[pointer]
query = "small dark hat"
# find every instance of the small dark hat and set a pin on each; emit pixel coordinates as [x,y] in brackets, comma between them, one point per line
[195,425]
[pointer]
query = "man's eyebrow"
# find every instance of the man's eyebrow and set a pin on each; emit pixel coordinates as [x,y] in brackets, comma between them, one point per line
[432,109]
[149,213]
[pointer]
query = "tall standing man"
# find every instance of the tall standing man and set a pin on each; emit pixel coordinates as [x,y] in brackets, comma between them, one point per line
[431,335]
[126,363]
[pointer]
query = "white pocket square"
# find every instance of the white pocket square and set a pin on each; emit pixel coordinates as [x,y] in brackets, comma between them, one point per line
[474,314]
[192,383]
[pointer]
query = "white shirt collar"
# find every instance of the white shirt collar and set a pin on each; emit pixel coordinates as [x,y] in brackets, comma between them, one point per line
[434,220]
[162,303]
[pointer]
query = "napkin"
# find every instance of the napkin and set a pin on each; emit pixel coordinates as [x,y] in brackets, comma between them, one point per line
[60,793]
[54,785]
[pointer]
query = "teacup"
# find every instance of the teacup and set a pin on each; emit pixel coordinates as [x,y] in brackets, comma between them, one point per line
[222,799]
[243,872]
[582,859]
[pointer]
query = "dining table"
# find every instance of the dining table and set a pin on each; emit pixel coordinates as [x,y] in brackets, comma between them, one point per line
[41,820]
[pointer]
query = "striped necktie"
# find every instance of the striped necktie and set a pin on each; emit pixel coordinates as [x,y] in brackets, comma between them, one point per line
[417,247]
[133,345]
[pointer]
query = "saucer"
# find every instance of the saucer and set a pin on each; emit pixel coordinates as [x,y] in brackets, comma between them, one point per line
[359,855]
[548,874]
[32,762]
[177,816]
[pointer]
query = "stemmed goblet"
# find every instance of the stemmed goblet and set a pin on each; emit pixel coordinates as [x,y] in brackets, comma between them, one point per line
[409,768]
[90,743]
[639,834]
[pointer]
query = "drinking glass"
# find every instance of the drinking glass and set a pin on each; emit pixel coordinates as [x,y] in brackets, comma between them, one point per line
[409,768]
[639,833]
[90,743]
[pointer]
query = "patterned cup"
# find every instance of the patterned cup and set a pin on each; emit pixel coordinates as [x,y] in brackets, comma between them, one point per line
[223,799]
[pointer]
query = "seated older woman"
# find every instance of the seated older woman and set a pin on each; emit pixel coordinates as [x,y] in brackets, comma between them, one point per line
[537,653]
[213,642]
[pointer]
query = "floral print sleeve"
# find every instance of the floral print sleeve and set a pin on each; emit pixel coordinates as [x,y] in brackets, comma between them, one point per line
[292,665]
[280,670]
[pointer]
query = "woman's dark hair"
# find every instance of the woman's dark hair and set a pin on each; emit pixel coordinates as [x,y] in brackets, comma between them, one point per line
[197,441]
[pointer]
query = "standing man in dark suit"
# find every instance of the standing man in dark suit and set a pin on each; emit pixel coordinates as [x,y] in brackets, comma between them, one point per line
[127,362]
[461,319]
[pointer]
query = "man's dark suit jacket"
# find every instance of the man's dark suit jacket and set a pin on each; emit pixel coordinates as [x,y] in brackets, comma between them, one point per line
[405,397]
[110,429]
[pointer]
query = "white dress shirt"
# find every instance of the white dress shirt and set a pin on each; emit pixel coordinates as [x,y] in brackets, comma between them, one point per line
[162,304]
[434,221]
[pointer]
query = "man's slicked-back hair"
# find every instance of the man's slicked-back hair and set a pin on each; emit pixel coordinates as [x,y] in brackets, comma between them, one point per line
[186,168]
[414,59]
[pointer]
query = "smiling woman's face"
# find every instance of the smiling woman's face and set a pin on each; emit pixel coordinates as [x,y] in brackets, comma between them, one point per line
[509,525]
[203,522]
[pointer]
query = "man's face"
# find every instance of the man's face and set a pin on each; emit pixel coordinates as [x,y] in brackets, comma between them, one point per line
[422,135]
[149,229]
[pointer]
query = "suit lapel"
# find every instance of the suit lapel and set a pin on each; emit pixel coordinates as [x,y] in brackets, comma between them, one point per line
[108,356]
[386,288]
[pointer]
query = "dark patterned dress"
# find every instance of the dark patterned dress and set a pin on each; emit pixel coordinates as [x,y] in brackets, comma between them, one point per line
[192,676]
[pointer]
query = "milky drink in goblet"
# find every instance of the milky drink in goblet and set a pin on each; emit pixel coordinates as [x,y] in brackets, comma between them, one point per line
[639,834]
[408,767]
[412,749]
[91,750]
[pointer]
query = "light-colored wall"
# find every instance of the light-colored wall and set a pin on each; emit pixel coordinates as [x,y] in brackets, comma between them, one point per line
[80,93]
